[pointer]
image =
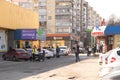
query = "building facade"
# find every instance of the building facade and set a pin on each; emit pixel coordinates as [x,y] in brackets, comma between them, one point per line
[14,18]
[72,17]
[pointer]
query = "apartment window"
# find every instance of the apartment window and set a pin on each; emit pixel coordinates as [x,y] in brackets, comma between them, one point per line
[42,17]
[66,30]
[42,0]
[42,3]
[36,5]
[57,10]
[59,30]
[49,17]
[42,7]
[25,5]
[42,23]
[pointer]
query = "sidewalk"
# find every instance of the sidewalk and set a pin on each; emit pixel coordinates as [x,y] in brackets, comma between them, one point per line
[83,70]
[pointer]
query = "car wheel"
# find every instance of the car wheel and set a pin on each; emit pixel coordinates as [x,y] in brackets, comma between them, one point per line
[48,57]
[3,57]
[14,58]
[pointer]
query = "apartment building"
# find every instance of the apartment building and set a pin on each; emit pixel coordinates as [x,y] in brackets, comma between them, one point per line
[69,17]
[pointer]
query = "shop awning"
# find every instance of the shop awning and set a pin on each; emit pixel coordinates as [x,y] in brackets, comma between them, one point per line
[98,31]
[111,30]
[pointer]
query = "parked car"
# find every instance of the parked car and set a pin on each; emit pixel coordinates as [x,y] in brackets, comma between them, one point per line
[48,53]
[110,56]
[64,50]
[82,50]
[16,54]
[109,68]
[103,57]
[114,56]
[112,76]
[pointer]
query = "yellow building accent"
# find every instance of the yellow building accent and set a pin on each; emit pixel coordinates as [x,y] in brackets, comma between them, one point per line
[15,17]
[116,40]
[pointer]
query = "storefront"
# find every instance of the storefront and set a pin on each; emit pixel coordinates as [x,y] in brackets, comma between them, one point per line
[109,36]
[99,37]
[12,19]
[113,33]
[25,38]
[58,39]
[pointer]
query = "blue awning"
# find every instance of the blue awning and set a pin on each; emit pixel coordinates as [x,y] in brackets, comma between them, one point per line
[111,30]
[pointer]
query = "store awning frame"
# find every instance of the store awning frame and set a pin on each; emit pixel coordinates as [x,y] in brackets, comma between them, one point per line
[112,30]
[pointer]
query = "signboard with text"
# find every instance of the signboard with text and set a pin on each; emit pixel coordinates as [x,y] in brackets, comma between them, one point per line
[41,34]
[28,34]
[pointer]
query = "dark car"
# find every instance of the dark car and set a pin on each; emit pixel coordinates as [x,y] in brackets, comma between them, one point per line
[16,54]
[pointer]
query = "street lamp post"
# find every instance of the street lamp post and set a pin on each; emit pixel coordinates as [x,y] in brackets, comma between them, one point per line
[81,26]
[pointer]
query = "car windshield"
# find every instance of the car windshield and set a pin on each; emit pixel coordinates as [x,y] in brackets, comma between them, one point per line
[29,50]
[20,50]
[63,47]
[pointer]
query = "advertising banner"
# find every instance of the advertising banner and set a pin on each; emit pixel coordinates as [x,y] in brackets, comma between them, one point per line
[28,34]
[98,31]
[3,40]
[41,35]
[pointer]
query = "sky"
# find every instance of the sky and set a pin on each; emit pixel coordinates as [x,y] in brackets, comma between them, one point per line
[106,8]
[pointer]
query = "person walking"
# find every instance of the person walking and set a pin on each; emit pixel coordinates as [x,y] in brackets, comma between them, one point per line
[94,50]
[57,52]
[76,51]
[41,55]
[89,50]
[34,49]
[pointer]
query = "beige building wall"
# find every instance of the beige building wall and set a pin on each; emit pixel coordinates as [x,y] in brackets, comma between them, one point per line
[15,17]
[50,16]
[116,41]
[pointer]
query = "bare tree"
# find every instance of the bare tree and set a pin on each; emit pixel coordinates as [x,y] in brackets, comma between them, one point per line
[113,21]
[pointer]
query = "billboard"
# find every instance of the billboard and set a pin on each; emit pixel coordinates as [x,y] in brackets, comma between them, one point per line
[41,34]
[3,40]
[28,34]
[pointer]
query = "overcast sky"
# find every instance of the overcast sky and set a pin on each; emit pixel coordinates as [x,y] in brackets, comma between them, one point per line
[106,7]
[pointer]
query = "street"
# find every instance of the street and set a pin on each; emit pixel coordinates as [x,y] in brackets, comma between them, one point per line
[63,68]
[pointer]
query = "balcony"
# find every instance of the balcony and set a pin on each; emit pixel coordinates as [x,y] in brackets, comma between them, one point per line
[63,0]
[62,13]
[69,7]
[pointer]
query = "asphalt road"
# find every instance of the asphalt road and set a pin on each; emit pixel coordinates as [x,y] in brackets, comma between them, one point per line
[63,68]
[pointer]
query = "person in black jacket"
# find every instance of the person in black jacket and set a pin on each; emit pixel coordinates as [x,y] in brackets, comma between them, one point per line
[57,52]
[77,58]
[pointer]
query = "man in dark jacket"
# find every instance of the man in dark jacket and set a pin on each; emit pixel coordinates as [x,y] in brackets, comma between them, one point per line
[77,58]
[57,52]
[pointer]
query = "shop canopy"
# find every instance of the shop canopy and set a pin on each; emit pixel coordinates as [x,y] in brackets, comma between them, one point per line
[105,30]
[111,30]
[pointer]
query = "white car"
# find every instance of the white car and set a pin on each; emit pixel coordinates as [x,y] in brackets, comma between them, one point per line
[64,50]
[110,56]
[103,57]
[54,52]
[109,68]
[48,54]
[114,56]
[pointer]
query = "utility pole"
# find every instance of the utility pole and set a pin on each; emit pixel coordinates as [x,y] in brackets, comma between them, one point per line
[81,26]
